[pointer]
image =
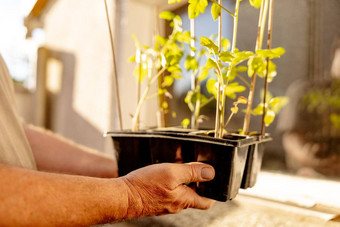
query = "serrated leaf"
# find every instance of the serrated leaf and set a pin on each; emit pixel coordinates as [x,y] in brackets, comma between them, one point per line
[241,56]
[271,53]
[208,43]
[226,56]
[232,89]
[167,15]
[196,7]
[211,64]
[215,10]
[191,63]
[256,65]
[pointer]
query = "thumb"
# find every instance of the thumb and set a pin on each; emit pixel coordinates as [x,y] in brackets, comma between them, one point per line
[194,172]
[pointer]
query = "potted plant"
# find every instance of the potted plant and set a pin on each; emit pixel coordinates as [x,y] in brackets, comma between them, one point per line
[236,157]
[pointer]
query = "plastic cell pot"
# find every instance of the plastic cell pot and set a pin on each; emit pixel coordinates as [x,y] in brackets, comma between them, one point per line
[254,161]
[228,156]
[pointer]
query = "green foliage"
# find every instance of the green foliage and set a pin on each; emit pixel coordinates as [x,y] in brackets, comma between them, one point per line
[215,10]
[325,99]
[273,107]
[196,7]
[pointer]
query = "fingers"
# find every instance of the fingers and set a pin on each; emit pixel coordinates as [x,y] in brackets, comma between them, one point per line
[196,201]
[193,172]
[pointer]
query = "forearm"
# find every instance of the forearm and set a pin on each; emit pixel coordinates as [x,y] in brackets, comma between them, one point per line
[56,154]
[47,199]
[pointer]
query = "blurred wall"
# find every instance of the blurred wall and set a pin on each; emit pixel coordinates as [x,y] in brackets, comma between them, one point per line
[76,95]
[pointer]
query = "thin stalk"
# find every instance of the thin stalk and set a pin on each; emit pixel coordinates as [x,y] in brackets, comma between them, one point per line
[193,77]
[135,126]
[161,116]
[208,101]
[230,116]
[262,18]
[220,4]
[139,82]
[269,46]
[233,47]
[115,75]
[197,105]
[220,82]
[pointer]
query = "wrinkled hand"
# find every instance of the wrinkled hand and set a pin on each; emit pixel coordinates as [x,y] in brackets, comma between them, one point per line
[159,189]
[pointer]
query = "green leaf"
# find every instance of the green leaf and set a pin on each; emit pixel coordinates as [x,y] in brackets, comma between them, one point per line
[191,63]
[167,15]
[269,118]
[225,44]
[211,64]
[203,75]
[232,89]
[271,53]
[256,65]
[278,103]
[241,68]
[255,3]
[208,43]
[184,37]
[196,7]
[258,110]
[185,123]
[211,87]
[215,10]
[226,56]
[241,56]
[168,81]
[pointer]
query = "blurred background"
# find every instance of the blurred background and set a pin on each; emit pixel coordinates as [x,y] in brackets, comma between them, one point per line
[59,55]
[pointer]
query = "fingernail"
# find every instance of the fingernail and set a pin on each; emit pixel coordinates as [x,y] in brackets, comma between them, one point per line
[207,173]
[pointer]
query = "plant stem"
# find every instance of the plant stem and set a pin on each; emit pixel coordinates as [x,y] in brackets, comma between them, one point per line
[207,102]
[233,47]
[269,46]
[220,4]
[115,75]
[220,82]
[193,77]
[139,81]
[135,126]
[262,18]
